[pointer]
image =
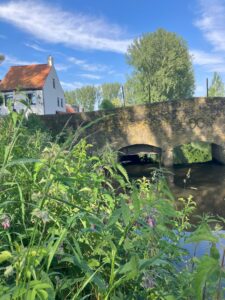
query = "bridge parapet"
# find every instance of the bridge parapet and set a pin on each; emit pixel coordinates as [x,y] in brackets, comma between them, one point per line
[164,124]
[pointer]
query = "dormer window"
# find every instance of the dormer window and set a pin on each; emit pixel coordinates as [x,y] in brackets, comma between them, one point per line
[53,83]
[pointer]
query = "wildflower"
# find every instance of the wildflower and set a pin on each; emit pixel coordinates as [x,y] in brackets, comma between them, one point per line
[60,252]
[5,221]
[8,271]
[41,214]
[151,221]
[93,227]
[147,281]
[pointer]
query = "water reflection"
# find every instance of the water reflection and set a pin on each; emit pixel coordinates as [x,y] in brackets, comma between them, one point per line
[204,181]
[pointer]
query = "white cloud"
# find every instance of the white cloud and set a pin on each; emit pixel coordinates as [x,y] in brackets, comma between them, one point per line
[14,61]
[200,90]
[211,22]
[84,65]
[61,67]
[72,85]
[36,47]
[91,76]
[203,58]
[54,25]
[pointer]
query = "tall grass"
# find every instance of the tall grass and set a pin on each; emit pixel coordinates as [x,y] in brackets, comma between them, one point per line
[73,226]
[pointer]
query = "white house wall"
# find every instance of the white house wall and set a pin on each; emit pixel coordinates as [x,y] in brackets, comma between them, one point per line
[37,108]
[52,94]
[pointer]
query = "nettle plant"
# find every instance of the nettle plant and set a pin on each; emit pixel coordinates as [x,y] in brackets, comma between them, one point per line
[73,226]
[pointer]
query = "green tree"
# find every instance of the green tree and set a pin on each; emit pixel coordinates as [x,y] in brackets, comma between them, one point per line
[70,97]
[84,97]
[217,86]
[106,104]
[1,99]
[2,58]
[110,91]
[133,90]
[162,66]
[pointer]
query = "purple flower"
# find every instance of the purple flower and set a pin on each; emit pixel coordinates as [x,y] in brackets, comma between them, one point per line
[151,221]
[5,222]
[147,281]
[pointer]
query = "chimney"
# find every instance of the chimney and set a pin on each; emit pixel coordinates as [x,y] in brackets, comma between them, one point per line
[50,61]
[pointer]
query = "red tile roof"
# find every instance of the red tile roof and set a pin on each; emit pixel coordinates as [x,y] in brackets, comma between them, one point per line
[25,77]
[70,109]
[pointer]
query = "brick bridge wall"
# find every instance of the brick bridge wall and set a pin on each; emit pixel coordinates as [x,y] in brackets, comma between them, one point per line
[163,124]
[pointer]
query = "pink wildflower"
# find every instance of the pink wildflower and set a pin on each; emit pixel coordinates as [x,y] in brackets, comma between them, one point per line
[5,222]
[151,221]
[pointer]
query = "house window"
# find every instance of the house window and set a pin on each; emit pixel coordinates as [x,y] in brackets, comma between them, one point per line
[53,83]
[8,99]
[58,102]
[61,102]
[31,98]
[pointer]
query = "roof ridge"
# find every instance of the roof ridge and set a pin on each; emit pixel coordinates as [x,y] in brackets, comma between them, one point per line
[19,66]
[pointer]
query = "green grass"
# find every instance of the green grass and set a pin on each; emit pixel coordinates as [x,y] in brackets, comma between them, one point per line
[73,226]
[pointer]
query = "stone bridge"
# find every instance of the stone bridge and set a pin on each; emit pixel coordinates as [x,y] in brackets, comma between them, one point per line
[162,126]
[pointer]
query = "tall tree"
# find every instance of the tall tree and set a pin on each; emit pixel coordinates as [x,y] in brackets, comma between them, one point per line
[110,91]
[84,97]
[217,86]
[70,97]
[162,66]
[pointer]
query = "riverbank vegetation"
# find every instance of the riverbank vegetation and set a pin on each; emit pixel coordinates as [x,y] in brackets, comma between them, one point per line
[73,226]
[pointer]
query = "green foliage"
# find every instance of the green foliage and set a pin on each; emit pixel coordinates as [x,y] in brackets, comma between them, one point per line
[73,226]
[162,67]
[216,88]
[106,104]
[1,99]
[84,97]
[110,91]
[192,153]
[70,97]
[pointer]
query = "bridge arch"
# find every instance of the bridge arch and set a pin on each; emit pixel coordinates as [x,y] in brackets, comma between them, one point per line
[134,151]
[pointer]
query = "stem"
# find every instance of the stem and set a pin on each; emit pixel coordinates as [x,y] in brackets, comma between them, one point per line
[219,283]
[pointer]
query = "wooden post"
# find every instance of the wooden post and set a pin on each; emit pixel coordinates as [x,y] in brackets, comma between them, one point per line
[123,96]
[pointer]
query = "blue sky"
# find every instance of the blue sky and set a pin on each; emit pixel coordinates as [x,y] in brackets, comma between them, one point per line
[88,38]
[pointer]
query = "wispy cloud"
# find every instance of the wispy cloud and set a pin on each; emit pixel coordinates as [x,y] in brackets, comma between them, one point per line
[203,58]
[72,85]
[210,61]
[14,61]
[2,36]
[84,65]
[91,76]
[55,25]
[36,47]
[211,21]
[61,67]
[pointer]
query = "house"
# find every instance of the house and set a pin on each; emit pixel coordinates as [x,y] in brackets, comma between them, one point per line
[37,84]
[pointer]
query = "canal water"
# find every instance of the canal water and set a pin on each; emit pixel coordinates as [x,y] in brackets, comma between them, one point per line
[204,181]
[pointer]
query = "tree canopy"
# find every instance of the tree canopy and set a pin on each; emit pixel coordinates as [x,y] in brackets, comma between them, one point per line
[216,88]
[110,91]
[84,97]
[162,67]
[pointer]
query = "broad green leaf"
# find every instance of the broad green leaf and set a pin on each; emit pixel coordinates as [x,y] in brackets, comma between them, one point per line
[206,266]
[125,212]
[114,217]
[203,233]
[123,172]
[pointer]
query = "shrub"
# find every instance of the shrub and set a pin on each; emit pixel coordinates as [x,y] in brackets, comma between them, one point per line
[73,226]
